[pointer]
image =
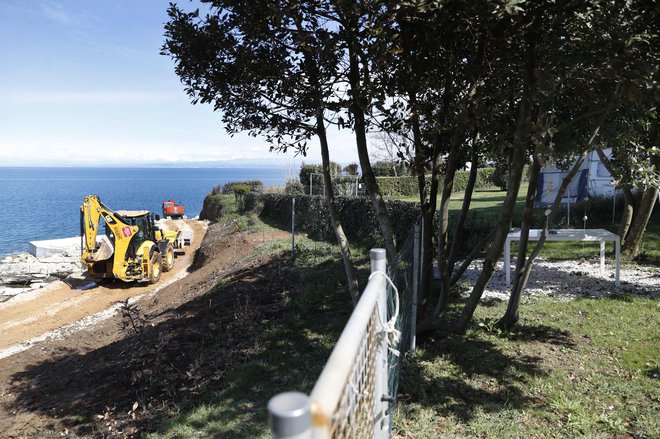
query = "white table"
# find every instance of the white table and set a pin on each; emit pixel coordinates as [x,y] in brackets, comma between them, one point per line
[588,235]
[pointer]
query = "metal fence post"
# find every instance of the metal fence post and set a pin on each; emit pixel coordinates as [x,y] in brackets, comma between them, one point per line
[290,416]
[293,228]
[415,286]
[379,263]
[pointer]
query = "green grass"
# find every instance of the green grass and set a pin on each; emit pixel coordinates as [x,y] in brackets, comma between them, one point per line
[584,368]
[486,204]
[287,353]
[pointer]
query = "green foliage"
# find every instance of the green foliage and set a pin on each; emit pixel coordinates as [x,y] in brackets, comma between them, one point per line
[216,206]
[351,169]
[294,188]
[360,223]
[389,168]
[239,191]
[407,186]
[234,186]
[307,170]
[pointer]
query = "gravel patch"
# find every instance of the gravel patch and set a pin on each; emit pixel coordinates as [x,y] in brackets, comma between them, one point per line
[572,279]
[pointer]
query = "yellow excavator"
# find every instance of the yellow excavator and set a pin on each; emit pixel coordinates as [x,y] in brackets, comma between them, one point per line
[131,248]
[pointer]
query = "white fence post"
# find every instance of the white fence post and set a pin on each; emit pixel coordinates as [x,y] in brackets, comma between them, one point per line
[379,263]
[290,416]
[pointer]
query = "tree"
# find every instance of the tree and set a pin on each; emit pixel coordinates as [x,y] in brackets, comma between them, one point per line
[351,169]
[268,67]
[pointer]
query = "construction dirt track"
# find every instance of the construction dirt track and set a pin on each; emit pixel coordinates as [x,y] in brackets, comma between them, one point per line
[34,316]
[68,363]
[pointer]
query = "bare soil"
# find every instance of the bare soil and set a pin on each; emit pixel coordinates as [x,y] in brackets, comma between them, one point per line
[81,361]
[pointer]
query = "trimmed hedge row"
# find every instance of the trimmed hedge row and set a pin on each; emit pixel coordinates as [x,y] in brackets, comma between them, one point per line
[406,186]
[357,215]
[229,188]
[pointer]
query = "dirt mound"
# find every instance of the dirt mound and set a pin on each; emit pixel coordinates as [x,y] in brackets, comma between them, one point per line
[160,349]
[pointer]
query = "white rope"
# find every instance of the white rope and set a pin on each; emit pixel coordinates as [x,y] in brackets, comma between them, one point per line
[390,333]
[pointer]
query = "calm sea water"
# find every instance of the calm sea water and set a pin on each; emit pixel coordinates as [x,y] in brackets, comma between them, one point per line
[44,203]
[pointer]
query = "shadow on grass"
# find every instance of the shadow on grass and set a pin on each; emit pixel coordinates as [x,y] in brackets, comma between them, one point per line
[462,376]
[541,334]
[204,369]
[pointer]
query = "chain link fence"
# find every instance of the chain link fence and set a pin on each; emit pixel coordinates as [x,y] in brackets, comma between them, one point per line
[356,391]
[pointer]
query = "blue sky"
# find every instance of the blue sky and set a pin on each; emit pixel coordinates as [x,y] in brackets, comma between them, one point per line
[82,83]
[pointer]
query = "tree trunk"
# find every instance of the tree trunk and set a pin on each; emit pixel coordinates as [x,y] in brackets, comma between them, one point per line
[357,109]
[649,197]
[630,246]
[342,240]
[627,214]
[427,202]
[511,315]
[443,226]
[465,209]
[517,164]
[471,257]
[629,199]
[518,160]
[349,267]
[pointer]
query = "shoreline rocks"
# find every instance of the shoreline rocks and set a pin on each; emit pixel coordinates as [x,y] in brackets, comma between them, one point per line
[23,272]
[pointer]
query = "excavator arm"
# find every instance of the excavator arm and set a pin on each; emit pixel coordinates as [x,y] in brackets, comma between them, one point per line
[91,212]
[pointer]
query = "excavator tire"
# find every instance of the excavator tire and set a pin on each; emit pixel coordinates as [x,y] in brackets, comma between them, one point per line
[155,268]
[168,263]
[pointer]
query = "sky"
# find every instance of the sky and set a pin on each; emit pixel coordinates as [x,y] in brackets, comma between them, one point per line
[82,83]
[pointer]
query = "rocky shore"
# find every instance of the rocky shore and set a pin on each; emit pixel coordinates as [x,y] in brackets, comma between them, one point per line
[24,272]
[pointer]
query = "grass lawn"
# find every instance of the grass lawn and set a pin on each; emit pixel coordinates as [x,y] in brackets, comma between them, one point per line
[583,368]
[486,204]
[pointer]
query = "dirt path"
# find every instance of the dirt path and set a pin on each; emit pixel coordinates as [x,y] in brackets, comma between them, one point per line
[72,361]
[33,316]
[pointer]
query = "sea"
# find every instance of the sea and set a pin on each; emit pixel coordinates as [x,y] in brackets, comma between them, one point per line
[44,203]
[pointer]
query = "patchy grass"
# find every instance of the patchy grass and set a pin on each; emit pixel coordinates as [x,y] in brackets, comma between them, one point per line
[584,368]
[286,353]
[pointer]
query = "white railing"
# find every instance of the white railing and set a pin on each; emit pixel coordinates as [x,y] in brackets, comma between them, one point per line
[350,398]
[354,394]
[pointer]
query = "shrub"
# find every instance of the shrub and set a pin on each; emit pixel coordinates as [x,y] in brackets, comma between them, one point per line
[407,186]
[385,168]
[213,207]
[357,216]
[230,187]
[294,187]
[239,192]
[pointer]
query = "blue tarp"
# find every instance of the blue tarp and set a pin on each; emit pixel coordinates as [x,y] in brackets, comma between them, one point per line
[550,181]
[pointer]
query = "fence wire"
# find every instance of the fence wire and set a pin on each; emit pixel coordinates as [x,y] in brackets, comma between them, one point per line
[401,272]
[347,399]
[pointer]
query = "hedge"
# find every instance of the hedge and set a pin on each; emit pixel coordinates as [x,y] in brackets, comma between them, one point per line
[357,215]
[228,188]
[312,215]
[407,186]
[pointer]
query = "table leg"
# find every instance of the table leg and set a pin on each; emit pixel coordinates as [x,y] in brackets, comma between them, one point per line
[602,257]
[507,260]
[617,261]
